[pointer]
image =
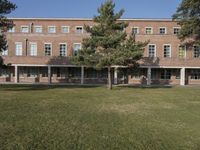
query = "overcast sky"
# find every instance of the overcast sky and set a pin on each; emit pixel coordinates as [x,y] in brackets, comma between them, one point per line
[88,8]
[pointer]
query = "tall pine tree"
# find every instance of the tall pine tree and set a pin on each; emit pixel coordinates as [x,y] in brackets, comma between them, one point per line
[5,8]
[188,17]
[108,44]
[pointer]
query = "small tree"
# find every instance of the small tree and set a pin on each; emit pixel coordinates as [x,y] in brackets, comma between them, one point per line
[188,17]
[108,44]
[5,8]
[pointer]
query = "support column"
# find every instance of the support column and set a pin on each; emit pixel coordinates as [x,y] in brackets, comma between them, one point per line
[16,74]
[149,76]
[49,74]
[82,74]
[115,76]
[182,75]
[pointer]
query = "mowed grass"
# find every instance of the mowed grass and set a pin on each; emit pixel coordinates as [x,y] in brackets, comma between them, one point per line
[39,117]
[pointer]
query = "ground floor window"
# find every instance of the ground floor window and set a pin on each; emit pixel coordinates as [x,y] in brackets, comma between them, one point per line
[91,73]
[74,72]
[165,74]
[154,74]
[4,72]
[44,71]
[195,74]
[32,72]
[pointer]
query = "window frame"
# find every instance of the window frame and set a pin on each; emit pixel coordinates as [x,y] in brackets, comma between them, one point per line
[51,27]
[37,26]
[24,26]
[174,30]
[149,28]
[185,49]
[11,30]
[76,29]
[154,52]
[163,28]
[45,49]
[65,27]
[194,55]
[30,54]
[73,47]
[138,31]
[65,49]
[16,54]
[170,50]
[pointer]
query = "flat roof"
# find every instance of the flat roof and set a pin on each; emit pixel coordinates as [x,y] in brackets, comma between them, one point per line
[90,19]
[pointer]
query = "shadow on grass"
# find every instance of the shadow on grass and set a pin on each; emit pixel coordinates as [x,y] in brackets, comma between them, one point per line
[32,87]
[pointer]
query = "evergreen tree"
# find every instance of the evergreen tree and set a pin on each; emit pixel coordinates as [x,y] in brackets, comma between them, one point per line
[108,44]
[5,8]
[188,17]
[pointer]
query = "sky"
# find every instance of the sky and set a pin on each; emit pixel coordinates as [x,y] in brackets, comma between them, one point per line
[88,8]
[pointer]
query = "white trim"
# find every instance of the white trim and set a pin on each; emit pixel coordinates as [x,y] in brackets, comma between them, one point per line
[165,30]
[24,26]
[11,30]
[146,30]
[51,48]
[170,67]
[21,43]
[65,48]
[148,50]
[175,28]
[36,26]
[138,29]
[65,27]
[51,26]
[170,52]
[185,47]
[78,27]
[29,49]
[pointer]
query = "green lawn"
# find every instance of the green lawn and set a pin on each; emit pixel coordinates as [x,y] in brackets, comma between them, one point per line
[95,118]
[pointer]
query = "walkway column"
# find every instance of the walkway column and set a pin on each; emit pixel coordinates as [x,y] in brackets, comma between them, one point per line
[82,74]
[49,74]
[182,75]
[115,76]
[16,74]
[149,76]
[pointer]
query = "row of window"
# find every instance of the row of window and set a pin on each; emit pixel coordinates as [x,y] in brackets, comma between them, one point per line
[32,50]
[50,29]
[167,51]
[79,30]
[149,30]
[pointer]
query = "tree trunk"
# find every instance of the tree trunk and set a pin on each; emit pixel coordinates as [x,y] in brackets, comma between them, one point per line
[109,79]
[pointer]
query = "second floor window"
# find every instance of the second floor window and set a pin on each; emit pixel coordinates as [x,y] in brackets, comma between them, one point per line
[152,50]
[79,30]
[181,51]
[65,29]
[149,30]
[196,51]
[33,49]
[135,30]
[62,49]
[11,30]
[38,29]
[165,74]
[18,49]
[177,30]
[24,29]
[51,29]
[167,51]
[4,52]
[47,49]
[162,30]
[76,47]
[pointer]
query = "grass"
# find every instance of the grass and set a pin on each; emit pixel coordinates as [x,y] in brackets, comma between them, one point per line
[39,117]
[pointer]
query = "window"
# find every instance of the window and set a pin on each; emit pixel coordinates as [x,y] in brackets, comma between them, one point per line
[4,52]
[32,72]
[47,49]
[24,29]
[62,49]
[18,49]
[51,29]
[74,72]
[149,30]
[162,30]
[135,30]
[196,51]
[182,51]
[11,30]
[4,72]
[176,30]
[44,71]
[65,29]
[167,51]
[76,47]
[152,50]
[195,74]
[165,74]
[79,30]
[33,49]
[38,29]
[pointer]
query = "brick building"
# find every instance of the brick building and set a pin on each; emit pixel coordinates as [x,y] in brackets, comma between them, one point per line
[39,50]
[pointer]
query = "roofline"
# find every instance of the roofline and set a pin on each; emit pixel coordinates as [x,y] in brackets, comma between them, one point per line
[90,19]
